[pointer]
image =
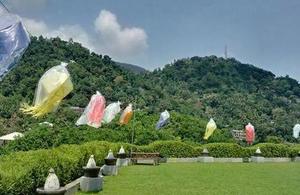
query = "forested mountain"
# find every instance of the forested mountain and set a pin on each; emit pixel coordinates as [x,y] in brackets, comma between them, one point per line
[234,93]
[199,87]
[133,68]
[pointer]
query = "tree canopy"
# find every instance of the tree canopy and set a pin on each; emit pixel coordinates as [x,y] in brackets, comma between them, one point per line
[194,88]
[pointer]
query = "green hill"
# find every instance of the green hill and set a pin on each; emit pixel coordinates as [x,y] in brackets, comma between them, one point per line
[194,88]
[131,67]
[234,93]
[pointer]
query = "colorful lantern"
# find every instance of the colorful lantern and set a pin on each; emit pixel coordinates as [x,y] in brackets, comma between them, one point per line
[126,115]
[164,118]
[14,40]
[250,133]
[210,128]
[296,131]
[53,86]
[111,111]
[94,112]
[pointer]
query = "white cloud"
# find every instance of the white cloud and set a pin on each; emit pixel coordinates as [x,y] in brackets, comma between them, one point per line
[35,27]
[111,38]
[65,32]
[75,32]
[120,42]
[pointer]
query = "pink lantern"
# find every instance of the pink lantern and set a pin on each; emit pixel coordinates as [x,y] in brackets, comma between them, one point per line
[96,110]
[250,133]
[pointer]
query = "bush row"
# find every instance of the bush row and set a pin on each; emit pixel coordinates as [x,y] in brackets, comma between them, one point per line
[22,172]
[220,150]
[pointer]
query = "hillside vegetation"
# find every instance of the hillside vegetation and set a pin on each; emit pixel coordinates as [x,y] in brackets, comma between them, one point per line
[195,89]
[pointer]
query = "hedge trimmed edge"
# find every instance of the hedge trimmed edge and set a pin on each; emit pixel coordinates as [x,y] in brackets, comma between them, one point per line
[22,172]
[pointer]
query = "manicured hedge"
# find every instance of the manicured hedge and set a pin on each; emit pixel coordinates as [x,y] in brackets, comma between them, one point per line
[173,149]
[275,150]
[22,172]
[295,149]
[228,150]
[221,150]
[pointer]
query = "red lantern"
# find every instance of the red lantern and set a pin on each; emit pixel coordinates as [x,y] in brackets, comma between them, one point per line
[250,133]
[96,111]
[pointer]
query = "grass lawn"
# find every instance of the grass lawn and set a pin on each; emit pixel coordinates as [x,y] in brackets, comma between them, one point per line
[197,178]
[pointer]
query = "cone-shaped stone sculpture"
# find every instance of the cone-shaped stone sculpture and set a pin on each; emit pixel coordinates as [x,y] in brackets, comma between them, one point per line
[91,170]
[91,181]
[205,158]
[122,158]
[258,156]
[109,168]
[51,185]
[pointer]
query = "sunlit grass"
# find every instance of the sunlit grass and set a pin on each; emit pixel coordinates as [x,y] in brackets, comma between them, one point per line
[197,178]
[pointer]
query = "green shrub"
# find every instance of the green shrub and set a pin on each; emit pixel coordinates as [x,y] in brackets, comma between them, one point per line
[23,172]
[221,136]
[274,139]
[274,150]
[222,150]
[173,149]
[294,150]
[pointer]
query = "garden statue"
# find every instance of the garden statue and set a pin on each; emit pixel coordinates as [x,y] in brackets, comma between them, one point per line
[109,167]
[122,158]
[205,158]
[51,185]
[91,181]
[258,157]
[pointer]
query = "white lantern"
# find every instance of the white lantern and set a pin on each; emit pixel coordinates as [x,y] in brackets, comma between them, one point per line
[296,131]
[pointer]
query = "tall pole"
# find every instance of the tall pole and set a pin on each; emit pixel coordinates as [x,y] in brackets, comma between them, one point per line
[132,132]
[225,52]
[133,125]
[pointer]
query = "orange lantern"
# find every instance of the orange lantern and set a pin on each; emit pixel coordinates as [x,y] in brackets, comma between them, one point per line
[126,115]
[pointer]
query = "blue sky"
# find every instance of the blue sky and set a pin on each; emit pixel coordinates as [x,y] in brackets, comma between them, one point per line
[152,33]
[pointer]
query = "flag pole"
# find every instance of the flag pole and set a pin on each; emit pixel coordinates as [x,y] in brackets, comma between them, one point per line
[133,126]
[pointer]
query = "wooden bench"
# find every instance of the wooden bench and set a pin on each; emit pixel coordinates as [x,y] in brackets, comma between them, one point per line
[145,158]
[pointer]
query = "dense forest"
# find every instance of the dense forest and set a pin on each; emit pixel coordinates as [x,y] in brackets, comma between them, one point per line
[193,89]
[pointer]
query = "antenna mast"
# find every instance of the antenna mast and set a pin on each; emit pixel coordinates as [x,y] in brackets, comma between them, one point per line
[225,52]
